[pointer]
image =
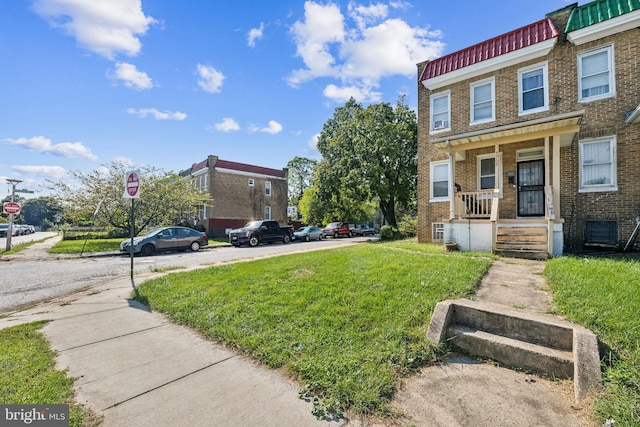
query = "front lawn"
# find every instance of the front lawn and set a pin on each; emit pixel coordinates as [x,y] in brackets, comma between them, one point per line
[347,323]
[603,295]
[90,245]
[29,375]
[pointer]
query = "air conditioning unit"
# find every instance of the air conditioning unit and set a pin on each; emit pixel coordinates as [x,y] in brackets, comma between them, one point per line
[440,124]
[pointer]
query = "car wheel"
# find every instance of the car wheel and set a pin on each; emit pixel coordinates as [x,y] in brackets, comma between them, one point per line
[286,238]
[307,238]
[320,236]
[195,246]
[147,250]
[254,241]
[336,235]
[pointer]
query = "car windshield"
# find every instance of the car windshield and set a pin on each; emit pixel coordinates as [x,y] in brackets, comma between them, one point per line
[252,224]
[153,232]
[304,229]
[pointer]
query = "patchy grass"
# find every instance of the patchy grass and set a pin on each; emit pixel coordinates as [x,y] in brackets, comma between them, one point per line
[603,294]
[347,323]
[157,269]
[29,375]
[17,248]
[92,245]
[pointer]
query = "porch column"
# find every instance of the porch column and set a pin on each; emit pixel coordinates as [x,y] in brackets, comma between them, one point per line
[556,174]
[452,197]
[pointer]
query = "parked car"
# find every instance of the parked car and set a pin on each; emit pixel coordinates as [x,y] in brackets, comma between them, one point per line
[364,230]
[4,228]
[166,239]
[309,233]
[255,232]
[337,229]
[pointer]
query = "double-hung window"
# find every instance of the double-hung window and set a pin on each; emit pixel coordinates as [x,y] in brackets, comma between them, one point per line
[440,111]
[439,174]
[482,101]
[267,188]
[533,89]
[267,212]
[598,164]
[596,74]
[487,172]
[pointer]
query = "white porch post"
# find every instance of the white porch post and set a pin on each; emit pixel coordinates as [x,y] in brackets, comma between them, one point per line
[556,174]
[452,197]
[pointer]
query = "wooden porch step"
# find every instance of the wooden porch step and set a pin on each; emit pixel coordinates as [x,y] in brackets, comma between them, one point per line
[522,242]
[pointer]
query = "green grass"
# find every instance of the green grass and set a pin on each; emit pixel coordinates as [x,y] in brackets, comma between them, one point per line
[92,245]
[29,375]
[346,323]
[17,248]
[603,294]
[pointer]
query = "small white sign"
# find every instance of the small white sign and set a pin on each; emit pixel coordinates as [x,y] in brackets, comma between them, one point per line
[132,185]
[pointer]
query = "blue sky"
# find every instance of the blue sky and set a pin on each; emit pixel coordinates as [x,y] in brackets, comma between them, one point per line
[166,83]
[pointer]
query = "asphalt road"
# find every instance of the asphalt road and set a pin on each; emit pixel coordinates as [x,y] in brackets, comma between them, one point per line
[28,280]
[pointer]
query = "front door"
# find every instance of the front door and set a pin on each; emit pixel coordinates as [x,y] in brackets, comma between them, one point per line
[531,188]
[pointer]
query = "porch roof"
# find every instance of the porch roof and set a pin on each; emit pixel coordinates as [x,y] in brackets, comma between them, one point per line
[566,125]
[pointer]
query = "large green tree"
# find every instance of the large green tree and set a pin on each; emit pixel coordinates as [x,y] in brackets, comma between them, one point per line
[369,154]
[41,211]
[299,176]
[165,198]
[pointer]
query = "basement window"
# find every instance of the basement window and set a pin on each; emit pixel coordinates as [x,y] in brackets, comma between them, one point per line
[601,233]
[437,231]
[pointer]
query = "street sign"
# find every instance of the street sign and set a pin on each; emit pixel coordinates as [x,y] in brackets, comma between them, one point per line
[11,208]
[132,185]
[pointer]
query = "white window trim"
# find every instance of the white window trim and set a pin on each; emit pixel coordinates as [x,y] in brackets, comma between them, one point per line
[431,123]
[614,167]
[497,158]
[432,165]
[437,231]
[545,80]
[267,188]
[612,74]
[267,212]
[492,82]
[251,182]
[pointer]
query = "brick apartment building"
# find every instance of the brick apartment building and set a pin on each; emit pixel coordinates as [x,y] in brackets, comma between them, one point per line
[240,193]
[529,143]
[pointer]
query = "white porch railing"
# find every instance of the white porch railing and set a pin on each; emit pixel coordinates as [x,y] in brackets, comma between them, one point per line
[473,204]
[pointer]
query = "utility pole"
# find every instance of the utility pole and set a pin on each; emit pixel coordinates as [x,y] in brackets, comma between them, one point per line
[13,183]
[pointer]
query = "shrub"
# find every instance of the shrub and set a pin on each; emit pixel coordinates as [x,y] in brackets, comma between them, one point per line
[408,226]
[386,232]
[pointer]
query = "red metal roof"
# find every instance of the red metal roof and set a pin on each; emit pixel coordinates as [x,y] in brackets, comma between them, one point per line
[242,167]
[510,42]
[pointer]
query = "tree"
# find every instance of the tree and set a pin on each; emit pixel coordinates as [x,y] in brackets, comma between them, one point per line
[165,198]
[41,211]
[369,154]
[299,176]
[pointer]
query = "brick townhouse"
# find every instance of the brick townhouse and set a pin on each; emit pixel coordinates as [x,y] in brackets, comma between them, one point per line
[529,143]
[240,193]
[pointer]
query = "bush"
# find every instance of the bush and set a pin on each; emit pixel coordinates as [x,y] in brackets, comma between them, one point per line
[408,226]
[386,232]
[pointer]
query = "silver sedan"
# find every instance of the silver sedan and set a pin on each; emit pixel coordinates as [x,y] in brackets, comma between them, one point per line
[309,233]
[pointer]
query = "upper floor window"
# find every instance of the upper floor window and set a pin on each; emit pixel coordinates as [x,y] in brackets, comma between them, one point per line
[440,111]
[267,188]
[533,89]
[598,164]
[439,174]
[250,182]
[596,74]
[482,101]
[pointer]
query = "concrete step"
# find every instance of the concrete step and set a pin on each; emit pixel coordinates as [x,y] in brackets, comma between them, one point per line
[512,352]
[523,339]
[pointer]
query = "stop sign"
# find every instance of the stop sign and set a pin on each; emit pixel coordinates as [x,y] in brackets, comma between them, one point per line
[11,208]
[132,185]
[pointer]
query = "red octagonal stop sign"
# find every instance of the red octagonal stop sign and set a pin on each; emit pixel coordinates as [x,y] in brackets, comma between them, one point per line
[11,208]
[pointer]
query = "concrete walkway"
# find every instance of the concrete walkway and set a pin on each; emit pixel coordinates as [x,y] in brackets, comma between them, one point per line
[133,367]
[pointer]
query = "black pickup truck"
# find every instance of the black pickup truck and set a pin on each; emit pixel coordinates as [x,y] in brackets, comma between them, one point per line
[256,232]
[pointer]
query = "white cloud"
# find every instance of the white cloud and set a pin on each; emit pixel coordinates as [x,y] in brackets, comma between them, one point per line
[313,143]
[342,94]
[273,128]
[64,149]
[129,75]
[210,79]
[52,172]
[158,115]
[124,161]
[358,50]
[227,125]
[106,27]
[255,34]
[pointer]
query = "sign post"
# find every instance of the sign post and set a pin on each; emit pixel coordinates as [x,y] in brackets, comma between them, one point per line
[132,191]
[12,209]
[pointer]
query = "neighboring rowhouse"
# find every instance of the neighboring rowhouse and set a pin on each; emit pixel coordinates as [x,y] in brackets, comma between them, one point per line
[529,143]
[240,193]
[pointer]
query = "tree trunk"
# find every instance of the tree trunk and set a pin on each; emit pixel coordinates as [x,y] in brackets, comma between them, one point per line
[388,209]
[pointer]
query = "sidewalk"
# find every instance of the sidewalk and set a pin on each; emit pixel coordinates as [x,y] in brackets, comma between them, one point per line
[134,367]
